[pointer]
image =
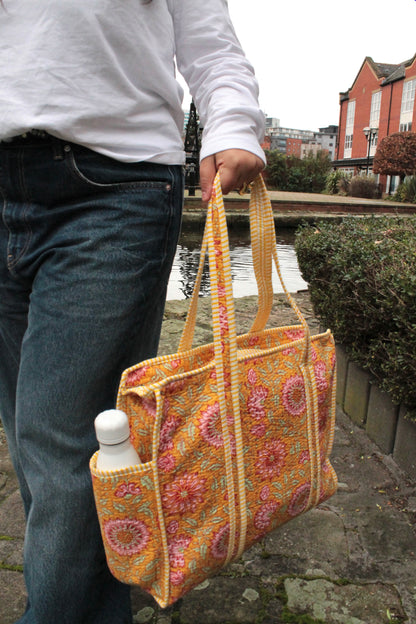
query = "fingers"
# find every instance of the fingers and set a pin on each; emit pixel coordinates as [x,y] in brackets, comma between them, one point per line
[236,168]
[207,171]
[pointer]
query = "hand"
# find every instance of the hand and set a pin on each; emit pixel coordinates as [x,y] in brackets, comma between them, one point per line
[235,166]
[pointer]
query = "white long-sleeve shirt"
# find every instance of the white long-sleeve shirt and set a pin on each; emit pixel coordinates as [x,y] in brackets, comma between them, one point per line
[101,73]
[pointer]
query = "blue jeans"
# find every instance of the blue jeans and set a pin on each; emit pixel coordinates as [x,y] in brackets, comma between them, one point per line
[86,248]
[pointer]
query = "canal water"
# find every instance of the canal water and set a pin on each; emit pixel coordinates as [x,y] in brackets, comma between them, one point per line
[186,262]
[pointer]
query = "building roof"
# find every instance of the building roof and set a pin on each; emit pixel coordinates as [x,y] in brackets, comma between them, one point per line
[389,71]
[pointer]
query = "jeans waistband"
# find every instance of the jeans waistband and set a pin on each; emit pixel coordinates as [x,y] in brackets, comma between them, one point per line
[27,137]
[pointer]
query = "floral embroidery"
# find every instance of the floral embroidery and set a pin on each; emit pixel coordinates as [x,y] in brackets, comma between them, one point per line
[252,376]
[136,376]
[176,548]
[167,431]
[172,527]
[294,334]
[223,319]
[210,427]
[264,515]
[126,537]
[127,488]
[271,459]
[299,500]
[258,430]
[166,463]
[177,577]
[219,544]
[265,493]
[293,395]
[184,494]
[255,403]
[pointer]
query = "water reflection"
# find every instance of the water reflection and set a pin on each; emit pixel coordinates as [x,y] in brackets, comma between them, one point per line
[186,263]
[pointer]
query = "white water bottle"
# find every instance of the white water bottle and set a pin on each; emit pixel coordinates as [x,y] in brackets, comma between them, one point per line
[113,434]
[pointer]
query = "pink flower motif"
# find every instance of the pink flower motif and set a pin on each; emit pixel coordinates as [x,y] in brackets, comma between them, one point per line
[135,376]
[210,427]
[175,364]
[323,420]
[172,527]
[177,577]
[252,376]
[299,500]
[271,459]
[255,402]
[219,543]
[149,405]
[253,340]
[126,537]
[264,515]
[166,463]
[175,386]
[176,547]
[295,334]
[209,421]
[314,354]
[293,395]
[258,430]
[289,351]
[265,493]
[184,494]
[223,314]
[320,376]
[304,457]
[127,488]
[167,431]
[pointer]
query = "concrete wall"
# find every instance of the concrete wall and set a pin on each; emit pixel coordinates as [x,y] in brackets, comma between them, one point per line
[385,422]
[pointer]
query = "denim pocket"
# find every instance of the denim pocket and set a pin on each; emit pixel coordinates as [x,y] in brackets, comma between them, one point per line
[100,172]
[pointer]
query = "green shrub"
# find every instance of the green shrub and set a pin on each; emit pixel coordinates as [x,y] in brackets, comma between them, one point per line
[364,186]
[362,282]
[337,182]
[406,191]
[302,175]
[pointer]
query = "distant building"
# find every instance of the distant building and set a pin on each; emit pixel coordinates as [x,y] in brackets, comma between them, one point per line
[300,143]
[380,102]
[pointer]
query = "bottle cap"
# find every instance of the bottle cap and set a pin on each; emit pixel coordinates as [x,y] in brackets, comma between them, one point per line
[112,427]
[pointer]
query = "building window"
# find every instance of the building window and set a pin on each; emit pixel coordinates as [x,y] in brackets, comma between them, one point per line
[349,129]
[375,109]
[405,127]
[350,114]
[348,141]
[408,97]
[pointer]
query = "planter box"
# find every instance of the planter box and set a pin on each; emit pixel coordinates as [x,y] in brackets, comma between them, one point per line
[404,451]
[370,408]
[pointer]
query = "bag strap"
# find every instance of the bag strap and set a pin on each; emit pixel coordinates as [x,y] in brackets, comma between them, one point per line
[215,239]
[264,250]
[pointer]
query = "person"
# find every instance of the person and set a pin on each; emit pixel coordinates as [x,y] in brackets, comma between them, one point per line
[91,158]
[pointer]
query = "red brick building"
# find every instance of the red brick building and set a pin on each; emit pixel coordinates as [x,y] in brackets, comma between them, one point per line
[380,102]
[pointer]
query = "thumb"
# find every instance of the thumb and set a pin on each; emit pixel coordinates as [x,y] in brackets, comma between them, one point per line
[207,172]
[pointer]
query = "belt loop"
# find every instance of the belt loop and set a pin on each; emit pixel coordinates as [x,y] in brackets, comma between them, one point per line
[58,148]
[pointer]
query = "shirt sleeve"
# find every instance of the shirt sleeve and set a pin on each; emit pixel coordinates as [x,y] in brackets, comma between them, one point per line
[220,78]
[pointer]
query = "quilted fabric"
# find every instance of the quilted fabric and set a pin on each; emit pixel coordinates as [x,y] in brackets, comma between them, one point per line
[234,436]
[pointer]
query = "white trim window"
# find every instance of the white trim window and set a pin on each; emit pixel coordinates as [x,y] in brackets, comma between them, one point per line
[374,120]
[408,102]
[349,129]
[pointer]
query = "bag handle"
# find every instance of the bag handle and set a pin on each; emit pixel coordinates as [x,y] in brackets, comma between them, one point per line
[264,250]
[225,337]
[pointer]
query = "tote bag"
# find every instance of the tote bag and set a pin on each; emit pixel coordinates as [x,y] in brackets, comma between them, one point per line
[234,436]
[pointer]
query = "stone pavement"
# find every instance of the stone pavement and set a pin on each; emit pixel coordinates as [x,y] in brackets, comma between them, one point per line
[350,561]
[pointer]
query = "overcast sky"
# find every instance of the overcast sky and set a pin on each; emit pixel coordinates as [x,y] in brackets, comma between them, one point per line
[305,52]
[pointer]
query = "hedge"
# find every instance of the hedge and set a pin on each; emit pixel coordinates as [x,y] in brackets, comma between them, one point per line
[362,282]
